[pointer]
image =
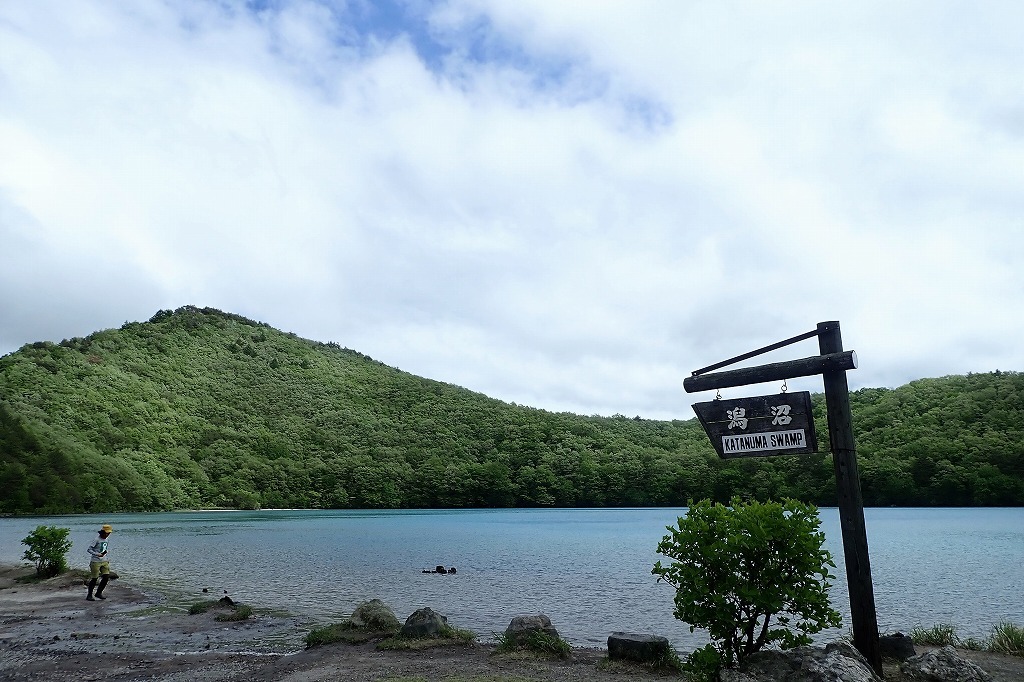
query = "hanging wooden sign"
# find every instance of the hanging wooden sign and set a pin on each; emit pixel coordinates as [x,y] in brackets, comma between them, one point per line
[761,426]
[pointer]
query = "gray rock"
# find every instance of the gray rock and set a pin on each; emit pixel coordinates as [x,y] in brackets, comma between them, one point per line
[896,646]
[522,626]
[942,665]
[374,615]
[837,662]
[424,622]
[641,648]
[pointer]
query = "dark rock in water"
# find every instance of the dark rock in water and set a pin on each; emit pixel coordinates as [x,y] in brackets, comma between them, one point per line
[522,626]
[896,646]
[837,662]
[226,601]
[424,622]
[641,648]
[451,570]
[440,569]
[942,665]
[374,615]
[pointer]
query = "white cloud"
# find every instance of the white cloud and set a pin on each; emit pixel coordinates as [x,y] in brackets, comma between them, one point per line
[566,205]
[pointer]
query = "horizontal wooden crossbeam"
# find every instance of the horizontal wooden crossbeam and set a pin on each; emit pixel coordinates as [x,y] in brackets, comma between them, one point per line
[817,364]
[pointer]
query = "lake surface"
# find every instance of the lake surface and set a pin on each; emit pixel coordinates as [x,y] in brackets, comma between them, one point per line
[588,569]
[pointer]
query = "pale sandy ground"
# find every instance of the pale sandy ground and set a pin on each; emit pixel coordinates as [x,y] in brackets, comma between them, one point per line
[48,631]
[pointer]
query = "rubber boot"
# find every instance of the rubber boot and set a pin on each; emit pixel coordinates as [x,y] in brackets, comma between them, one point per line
[92,584]
[103,583]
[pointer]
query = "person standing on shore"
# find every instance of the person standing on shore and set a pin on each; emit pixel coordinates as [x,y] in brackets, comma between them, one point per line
[99,563]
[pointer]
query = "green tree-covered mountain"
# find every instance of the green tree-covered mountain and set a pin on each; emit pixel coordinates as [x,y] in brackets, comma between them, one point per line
[199,408]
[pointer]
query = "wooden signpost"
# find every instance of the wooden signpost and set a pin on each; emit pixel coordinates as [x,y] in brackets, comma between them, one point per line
[758,426]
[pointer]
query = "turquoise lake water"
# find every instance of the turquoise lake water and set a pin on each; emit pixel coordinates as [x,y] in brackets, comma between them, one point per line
[588,569]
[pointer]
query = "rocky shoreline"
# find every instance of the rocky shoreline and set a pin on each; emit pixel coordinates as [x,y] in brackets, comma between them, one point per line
[48,631]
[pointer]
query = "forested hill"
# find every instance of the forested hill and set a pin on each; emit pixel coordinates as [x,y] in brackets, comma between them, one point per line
[199,408]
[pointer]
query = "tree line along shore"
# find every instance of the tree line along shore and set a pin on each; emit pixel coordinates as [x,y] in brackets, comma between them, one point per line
[198,408]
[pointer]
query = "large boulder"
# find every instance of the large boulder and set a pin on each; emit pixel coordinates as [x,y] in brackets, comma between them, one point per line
[374,615]
[424,622]
[521,627]
[640,648]
[942,665]
[837,662]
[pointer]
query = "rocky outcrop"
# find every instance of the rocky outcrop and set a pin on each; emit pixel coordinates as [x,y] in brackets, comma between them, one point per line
[640,648]
[837,662]
[942,665]
[521,627]
[424,622]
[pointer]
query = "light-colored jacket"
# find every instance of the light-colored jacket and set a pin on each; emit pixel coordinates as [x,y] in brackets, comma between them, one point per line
[98,551]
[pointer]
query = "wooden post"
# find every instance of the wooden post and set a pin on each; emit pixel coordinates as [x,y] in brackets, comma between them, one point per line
[851,504]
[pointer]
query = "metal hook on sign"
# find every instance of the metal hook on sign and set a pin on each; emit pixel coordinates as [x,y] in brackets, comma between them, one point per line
[784,386]
[718,394]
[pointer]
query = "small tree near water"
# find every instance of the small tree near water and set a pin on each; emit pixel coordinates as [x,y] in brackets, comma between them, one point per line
[752,574]
[47,547]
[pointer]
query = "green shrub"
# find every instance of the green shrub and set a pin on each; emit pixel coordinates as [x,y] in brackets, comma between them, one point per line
[703,664]
[48,547]
[752,574]
[1007,638]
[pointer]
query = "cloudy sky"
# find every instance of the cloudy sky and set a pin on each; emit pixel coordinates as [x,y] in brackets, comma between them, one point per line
[568,205]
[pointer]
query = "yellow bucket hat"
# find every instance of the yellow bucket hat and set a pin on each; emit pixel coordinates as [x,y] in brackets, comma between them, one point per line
[107,528]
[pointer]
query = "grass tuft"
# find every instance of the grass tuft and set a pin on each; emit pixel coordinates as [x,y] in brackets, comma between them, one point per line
[233,611]
[669,663]
[1007,638]
[942,634]
[448,636]
[346,633]
[535,641]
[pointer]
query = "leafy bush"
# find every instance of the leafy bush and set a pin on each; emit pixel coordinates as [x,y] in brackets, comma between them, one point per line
[48,547]
[752,574]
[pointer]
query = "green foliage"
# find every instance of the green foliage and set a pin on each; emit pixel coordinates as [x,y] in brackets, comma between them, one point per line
[447,636]
[48,547]
[703,664]
[943,634]
[1007,638]
[335,632]
[534,641]
[236,613]
[232,611]
[198,408]
[753,574]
